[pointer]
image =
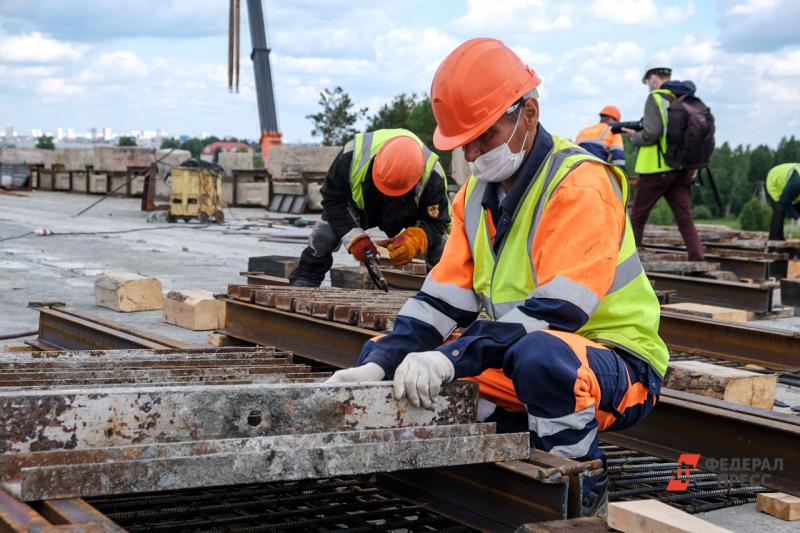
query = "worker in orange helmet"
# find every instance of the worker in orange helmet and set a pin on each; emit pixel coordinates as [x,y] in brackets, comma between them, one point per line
[387,179]
[541,243]
[600,141]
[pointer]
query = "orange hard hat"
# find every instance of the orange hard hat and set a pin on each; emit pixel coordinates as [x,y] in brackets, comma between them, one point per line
[398,166]
[611,111]
[473,87]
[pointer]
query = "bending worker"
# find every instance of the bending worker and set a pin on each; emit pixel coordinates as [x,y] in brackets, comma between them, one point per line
[783,194]
[600,141]
[384,178]
[541,242]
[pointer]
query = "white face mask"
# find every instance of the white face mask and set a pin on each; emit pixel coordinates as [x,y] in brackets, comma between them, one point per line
[499,163]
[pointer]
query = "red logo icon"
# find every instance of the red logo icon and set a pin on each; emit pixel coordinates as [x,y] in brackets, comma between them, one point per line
[686,462]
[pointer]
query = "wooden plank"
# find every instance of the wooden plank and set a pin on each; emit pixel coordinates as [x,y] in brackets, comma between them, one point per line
[194,309]
[729,384]
[656,517]
[709,311]
[783,506]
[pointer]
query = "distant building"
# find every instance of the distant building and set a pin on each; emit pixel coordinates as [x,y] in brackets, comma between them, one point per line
[93,133]
[107,134]
[36,133]
[59,134]
[10,133]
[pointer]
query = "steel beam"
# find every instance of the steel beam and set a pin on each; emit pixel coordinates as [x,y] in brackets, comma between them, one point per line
[73,418]
[747,296]
[265,459]
[321,340]
[77,511]
[683,422]
[401,280]
[63,329]
[502,496]
[772,348]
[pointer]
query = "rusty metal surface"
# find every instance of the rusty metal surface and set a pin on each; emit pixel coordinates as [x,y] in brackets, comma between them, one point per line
[321,340]
[74,418]
[65,329]
[77,511]
[97,368]
[501,496]
[683,422]
[749,296]
[264,459]
[17,516]
[772,348]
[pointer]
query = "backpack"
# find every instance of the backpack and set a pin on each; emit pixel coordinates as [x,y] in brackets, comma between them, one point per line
[690,133]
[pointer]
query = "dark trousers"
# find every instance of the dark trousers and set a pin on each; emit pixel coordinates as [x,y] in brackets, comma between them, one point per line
[674,186]
[778,216]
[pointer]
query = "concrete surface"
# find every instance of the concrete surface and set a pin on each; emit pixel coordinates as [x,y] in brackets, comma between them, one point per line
[746,519]
[64,267]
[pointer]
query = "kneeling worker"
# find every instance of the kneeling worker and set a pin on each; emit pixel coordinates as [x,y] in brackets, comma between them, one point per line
[783,194]
[384,178]
[600,141]
[542,243]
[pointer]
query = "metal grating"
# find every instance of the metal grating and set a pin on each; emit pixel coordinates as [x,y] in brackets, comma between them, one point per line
[352,503]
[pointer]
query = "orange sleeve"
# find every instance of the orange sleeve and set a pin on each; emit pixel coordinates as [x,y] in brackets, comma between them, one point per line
[616,141]
[456,266]
[580,230]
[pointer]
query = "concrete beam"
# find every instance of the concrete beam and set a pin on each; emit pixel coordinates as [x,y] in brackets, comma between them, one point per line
[76,419]
[287,457]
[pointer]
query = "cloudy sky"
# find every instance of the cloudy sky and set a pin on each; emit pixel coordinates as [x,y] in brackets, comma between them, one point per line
[151,64]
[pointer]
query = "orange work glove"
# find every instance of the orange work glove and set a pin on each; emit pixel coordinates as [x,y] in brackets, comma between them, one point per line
[410,244]
[359,247]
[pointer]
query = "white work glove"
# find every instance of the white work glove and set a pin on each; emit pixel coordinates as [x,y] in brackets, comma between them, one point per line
[420,376]
[367,372]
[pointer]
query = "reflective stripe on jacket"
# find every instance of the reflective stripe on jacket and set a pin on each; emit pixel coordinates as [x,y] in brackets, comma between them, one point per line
[626,316]
[598,140]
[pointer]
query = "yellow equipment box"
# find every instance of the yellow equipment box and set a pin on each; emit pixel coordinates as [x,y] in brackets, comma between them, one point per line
[196,193]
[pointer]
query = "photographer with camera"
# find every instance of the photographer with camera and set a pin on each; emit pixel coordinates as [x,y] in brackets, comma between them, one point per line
[658,178]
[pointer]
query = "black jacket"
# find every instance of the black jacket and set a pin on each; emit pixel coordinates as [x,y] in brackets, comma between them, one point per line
[390,214]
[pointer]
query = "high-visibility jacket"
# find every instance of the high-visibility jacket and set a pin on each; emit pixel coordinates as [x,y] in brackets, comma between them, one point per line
[778,177]
[365,147]
[626,317]
[651,157]
[600,141]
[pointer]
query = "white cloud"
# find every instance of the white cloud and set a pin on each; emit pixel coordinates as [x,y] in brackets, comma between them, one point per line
[57,87]
[505,17]
[751,7]
[38,48]
[640,12]
[116,65]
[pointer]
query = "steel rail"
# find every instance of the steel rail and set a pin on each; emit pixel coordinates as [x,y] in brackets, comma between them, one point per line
[67,329]
[747,296]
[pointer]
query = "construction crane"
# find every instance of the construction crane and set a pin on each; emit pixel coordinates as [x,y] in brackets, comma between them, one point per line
[268,117]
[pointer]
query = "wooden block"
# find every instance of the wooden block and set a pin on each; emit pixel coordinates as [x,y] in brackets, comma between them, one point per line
[194,309]
[729,384]
[355,277]
[793,268]
[784,506]
[220,339]
[17,347]
[708,311]
[654,516]
[127,292]
[279,266]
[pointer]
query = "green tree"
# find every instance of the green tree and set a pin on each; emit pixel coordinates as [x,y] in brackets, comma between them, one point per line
[45,142]
[755,216]
[394,114]
[126,141]
[172,142]
[788,151]
[336,122]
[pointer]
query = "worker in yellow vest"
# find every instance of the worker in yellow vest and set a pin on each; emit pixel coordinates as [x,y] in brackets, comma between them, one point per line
[783,194]
[541,243]
[387,179]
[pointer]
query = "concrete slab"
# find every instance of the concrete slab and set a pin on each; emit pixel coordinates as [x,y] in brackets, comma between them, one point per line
[64,267]
[746,519]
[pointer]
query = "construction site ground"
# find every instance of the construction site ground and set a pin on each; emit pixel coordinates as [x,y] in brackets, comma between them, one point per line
[182,256]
